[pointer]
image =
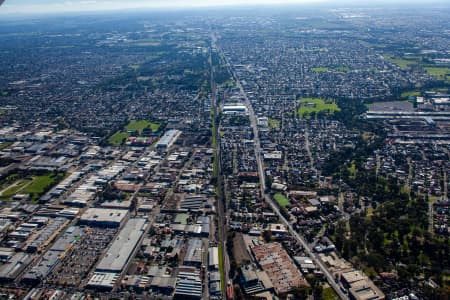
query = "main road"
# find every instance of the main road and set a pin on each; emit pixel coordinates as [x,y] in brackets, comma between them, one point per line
[300,239]
[221,214]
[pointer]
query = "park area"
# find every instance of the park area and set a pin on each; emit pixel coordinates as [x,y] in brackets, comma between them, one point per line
[320,70]
[281,200]
[274,124]
[28,184]
[138,126]
[402,62]
[314,106]
[440,73]
[333,69]
[141,125]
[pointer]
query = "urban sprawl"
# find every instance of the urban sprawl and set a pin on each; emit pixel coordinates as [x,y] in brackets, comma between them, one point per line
[285,153]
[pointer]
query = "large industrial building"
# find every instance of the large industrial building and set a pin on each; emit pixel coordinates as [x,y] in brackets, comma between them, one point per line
[213,258]
[276,262]
[14,266]
[103,281]
[360,286]
[109,269]
[194,253]
[53,256]
[123,246]
[101,217]
[189,284]
[235,109]
[168,139]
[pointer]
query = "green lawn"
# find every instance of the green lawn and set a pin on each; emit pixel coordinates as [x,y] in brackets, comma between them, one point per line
[141,125]
[410,94]
[5,144]
[215,165]
[369,212]
[281,200]
[319,70]
[35,185]
[439,73]
[402,63]
[352,170]
[316,105]
[213,134]
[221,269]
[274,123]
[40,183]
[342,69]
[134,67]
[443,90]
[118,138]
[14,188]
[155,55]
[329,294]
[229,83]
[446,278]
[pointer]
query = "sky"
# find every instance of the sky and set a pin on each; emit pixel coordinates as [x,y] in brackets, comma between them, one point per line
[50,6]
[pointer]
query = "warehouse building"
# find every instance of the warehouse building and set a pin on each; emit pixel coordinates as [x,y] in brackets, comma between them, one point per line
[235,109]
[277,264]
[360,286]
[163,284]
[255,281]
[194,253]
[103,281]
[168,139]
[193,203]
[14,266]
[46,235]
[213,258]
[51,258]
[101,217]
[189,284]
[123,246]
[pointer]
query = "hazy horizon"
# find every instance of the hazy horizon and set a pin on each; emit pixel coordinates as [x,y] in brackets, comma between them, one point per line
[53,6]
